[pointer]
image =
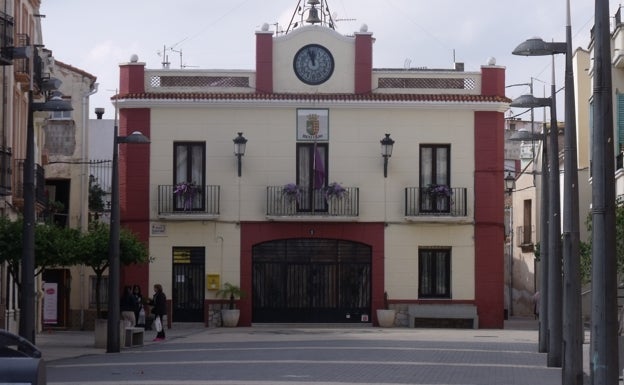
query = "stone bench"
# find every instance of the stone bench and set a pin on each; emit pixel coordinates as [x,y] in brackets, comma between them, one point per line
[134,336]
[443,311]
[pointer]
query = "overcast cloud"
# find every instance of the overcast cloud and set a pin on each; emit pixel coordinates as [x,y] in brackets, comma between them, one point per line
[97,35]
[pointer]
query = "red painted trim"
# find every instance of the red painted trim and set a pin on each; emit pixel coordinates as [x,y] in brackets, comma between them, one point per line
[363,63]
[489,218]
[264,62]
[134,171]
[493,81]
[131,78]
[257,232]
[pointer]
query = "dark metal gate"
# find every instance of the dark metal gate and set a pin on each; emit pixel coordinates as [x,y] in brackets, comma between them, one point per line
[311,280]
[188,284]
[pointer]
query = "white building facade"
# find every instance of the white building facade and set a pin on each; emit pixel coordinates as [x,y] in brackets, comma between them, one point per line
[312,229]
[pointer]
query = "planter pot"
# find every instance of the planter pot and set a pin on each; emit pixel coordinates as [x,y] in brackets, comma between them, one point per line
[230,317]
[385,317]
[101,333]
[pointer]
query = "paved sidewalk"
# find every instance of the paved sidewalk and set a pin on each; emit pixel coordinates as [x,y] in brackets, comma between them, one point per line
[57,345]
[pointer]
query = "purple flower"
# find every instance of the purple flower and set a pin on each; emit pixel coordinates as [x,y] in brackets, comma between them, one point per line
[439,190]
[334,189]
[291,191]
[187,191]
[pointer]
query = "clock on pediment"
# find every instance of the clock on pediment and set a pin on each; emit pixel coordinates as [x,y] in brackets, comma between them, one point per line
[313,64]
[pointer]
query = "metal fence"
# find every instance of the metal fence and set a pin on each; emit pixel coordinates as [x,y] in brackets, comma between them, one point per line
[420,202]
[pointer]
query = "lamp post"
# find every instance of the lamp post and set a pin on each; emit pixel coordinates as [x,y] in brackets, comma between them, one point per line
[112,333]
[386,151]
[604,322]
[572,326]
[528,101]
[554,231]
[239,150]
[27,276]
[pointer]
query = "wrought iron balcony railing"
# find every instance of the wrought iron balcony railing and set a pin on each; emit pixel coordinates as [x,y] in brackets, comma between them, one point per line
[6,39]
[5,171]
[313,202]
[420,202]
[203,200]
[40,193]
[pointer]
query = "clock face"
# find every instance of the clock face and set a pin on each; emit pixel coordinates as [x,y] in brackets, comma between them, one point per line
[313,64]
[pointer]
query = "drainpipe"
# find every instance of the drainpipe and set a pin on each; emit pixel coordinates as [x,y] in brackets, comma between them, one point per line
[84,154]
[84,197]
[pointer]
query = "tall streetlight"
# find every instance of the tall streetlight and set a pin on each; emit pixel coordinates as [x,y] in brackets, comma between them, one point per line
[604,325]
[554,231]
[27,299]
[528,101]
[572,326]
[112,334]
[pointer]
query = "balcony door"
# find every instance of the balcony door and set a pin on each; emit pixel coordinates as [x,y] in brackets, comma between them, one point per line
[189,167]
[435,170]
[312,176]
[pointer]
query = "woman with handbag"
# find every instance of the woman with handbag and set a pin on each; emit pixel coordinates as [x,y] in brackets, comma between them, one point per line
[159,309]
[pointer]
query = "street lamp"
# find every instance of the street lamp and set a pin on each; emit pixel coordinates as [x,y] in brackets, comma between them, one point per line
[386,151]
[554,229]
[112,334]
[27,303]
[604,319]
[526,101]
[239,149]
[510,183]
[572,326]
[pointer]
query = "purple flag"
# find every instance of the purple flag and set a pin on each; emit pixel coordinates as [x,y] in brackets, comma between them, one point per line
[319,170]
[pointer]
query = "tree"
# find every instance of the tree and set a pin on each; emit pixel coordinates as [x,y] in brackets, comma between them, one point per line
[54,246]
[94,253]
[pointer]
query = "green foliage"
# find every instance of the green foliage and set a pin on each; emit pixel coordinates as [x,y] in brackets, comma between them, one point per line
[586,247]
[93,252]
[54,246]
[96,195]
[230,292]
[61,246]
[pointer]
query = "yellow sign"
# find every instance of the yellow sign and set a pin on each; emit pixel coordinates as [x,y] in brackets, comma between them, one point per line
[212,281]
[181,256]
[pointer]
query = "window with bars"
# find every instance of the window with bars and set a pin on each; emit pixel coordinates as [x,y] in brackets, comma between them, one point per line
[434,273]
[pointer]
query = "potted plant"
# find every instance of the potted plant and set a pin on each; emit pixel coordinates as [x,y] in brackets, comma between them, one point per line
[439,190]
[231,315]
[385,316]
[335,190]
[291,192]
[186,192]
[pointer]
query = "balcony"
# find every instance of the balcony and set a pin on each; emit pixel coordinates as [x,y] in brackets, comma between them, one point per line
[419,203]
[202,204]
[6,39]
[5,171]
[312,203]
[22,66]
[40,193]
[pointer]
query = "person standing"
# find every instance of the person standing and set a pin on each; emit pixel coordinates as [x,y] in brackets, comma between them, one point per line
[139,313]
[159,309]
[128,305]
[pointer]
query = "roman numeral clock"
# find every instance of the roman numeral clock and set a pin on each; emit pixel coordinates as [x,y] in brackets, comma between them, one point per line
[313,64]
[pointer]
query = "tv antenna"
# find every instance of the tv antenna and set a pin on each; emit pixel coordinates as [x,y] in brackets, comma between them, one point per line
[165,63]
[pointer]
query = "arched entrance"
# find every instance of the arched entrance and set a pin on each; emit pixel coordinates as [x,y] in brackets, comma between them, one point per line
[311,281]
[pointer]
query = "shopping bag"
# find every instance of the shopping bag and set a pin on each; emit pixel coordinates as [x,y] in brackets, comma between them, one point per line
[158,324]
[141,320]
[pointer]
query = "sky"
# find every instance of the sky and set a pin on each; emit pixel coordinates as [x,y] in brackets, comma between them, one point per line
[97,35]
